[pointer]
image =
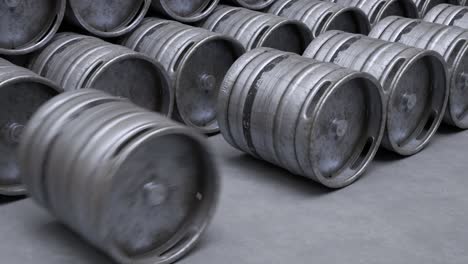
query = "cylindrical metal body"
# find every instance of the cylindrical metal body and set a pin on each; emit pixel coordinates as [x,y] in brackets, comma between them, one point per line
[450,42]
[136,185]
[197,61]
[414,80]
[450,15]
[314,119]
[255,29]
[27,25]
[22,92]
[76,61]
[107,19]
[251,4]
[322,16]
[187,11]
[425,5]
[376,10]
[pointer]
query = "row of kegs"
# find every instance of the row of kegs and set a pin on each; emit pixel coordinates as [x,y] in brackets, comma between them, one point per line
[111,164]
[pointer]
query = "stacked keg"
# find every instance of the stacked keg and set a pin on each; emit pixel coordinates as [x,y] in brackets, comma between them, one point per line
[449,15]
[187,11]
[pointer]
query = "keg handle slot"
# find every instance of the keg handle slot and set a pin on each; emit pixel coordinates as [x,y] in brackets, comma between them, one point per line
[392,73]
[364,153]
[181,56]
[376,12]
[455,51]
[259,36]
[91,73]
[317,96]
[322,23]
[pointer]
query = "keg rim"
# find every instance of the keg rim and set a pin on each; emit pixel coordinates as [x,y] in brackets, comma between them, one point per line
[463,53]
[363,24]
[192,18]
[236,46]
[305,32]
[441,76]
[45,38]
[201,217]
[260,6]
[433,14]
[409,6]
[119,31]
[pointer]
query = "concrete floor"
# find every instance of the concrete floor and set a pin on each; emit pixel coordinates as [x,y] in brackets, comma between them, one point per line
[412,210]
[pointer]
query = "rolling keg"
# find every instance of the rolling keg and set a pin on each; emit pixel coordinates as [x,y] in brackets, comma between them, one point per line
[76,61]
[450,42]
[376,10]
[450,15]
[107,19]
[251,4]
[22,92]
[415,83]
[322,16]
[136,185]
[255,29]
[197,61]
[315,119]
[187,11]
[27,25]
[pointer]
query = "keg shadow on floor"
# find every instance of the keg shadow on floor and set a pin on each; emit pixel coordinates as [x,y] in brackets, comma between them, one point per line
[10,199]
[384,155]
[445,129]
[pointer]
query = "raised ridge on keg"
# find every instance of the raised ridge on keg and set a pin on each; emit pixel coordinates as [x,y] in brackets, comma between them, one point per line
[187,11]
[415,83]
[22,92]
[425,5]
[450,15]
[376,10]
[251,4]
[107,19]
[315,119]
[77,61]
[256,29]
[321,16]
[197,61]
[450,42]
[27,25]
[111,171]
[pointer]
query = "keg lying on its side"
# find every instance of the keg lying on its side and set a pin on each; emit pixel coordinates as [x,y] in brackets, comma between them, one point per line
[134,184]
[187,11]
[255,29]
[450,42]
[197,61]
[414,80]
[322,16]
[27,25]
[76,61]
[376,10]
[251,4]
[315,119]
[450,15]
[22,92]
[107,19]
[425,6]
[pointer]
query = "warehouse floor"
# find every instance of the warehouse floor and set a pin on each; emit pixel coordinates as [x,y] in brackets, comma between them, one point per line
[412,210]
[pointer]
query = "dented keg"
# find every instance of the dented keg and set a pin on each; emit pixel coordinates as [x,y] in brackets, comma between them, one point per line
[134,184]
[27,25]
[315,119]
[450,42]
[376,10]
[322,16]
[22,92]
[107,18]
[187,11]
[449,15]
[255,29]
[414,80]
[76,61]
[251,4]
[197,61]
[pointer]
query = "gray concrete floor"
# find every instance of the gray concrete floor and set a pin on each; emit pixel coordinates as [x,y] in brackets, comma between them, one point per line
[412,210]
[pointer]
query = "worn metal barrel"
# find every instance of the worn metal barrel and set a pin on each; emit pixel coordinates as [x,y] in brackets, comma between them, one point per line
[22,92]
[197,61]
[376,10]
[76,61]
[314,119]
[134,184]
[107,19]
[425,5]
[187,11]
[415,82]
[27,25]
[251,4]
[450,15]
[255,29]
[322,16]
[450,42]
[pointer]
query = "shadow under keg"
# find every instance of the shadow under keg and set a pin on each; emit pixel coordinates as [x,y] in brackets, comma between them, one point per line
[187,11]
[251,4]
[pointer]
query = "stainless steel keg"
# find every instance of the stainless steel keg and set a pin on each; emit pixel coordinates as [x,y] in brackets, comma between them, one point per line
[251,4]
[450,15]
[187,11]
[425,5]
